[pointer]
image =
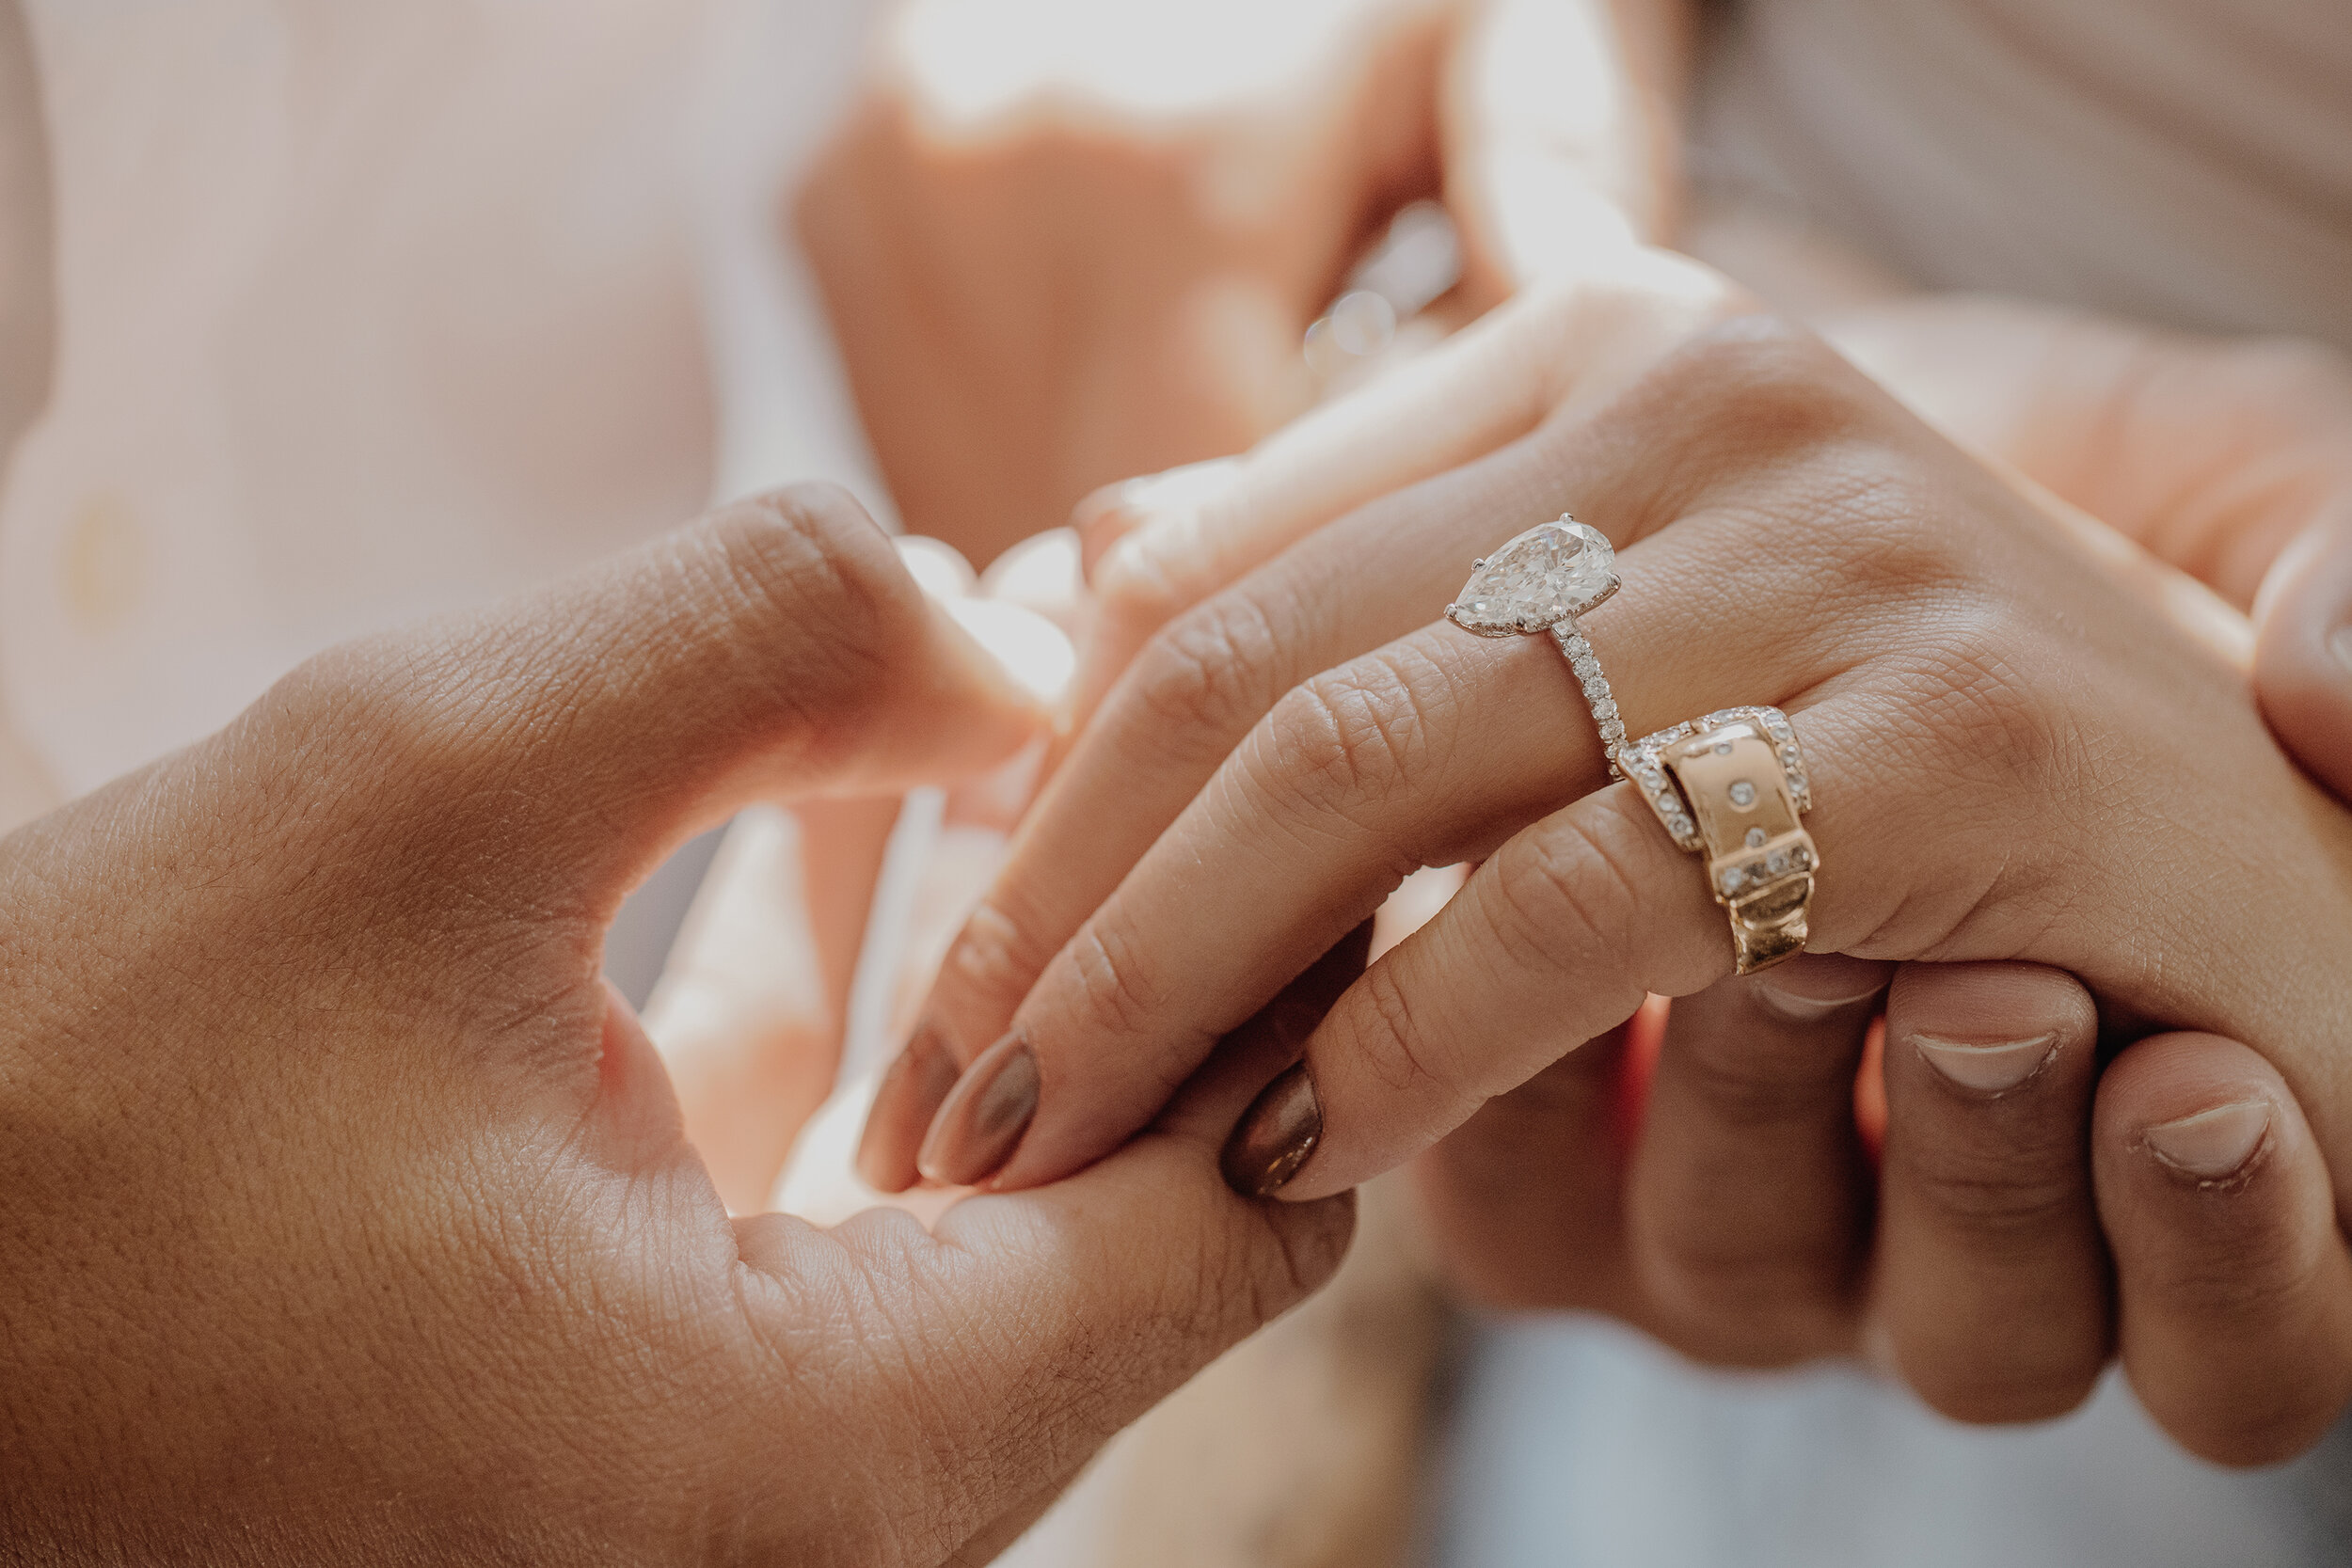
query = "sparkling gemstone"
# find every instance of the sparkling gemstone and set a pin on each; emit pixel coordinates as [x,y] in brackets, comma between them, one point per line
[1801,857]
[1678,826]
[1539,579]
[1756,839]
[1606,708]
[1743,794]
[1732,879]
[1777,862]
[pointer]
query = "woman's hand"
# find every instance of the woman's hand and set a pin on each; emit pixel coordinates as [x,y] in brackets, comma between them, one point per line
[1094,253]
[1982,682]
[348,1211]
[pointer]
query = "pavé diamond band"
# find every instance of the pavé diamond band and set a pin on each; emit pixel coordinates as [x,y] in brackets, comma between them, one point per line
[1731,786]
[1541,582]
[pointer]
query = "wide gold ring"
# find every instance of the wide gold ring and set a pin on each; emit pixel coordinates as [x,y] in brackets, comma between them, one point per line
[1731,786]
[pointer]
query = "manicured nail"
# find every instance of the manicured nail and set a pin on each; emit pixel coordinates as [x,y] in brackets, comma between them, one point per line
[977,1128]
[910,1096]
[1990,1067]
[2212,1143]
[1275,1136]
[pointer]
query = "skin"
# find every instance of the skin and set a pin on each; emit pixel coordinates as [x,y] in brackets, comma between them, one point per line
[1097,259]
[1321,752]
[350,1216]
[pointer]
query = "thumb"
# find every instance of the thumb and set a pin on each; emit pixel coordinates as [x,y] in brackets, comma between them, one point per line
[1559,133]
[982,1365]
[554,747]
[2303,649]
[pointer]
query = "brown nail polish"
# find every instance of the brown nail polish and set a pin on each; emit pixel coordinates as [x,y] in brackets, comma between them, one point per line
[1275,1137]
[979,1126]
[909,1096]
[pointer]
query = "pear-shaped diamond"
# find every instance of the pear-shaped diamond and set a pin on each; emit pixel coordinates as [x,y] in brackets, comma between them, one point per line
[1540,579]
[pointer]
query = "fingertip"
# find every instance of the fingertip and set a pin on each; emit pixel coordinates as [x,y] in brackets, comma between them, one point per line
[909,1095]
[2234,1283]
[1035,654]
[2303,652]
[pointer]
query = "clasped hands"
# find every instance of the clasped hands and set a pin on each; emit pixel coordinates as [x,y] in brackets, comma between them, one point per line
[2102,910]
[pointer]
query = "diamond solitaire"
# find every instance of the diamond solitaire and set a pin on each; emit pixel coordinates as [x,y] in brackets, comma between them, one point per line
[1553,572]
[1542,581]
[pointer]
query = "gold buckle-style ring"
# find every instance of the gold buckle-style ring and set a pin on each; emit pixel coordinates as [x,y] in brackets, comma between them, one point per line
[1731,786]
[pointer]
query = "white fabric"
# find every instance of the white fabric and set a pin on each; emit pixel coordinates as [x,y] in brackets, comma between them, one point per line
[369,311]
[2184,160]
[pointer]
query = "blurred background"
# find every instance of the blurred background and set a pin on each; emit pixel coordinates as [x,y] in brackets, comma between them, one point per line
[316,317]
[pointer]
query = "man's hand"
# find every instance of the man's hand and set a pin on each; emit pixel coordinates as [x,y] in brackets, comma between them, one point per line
[349,1218]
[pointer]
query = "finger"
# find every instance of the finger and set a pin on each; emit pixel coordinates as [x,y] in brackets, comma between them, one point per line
[2213,452]
[2234,1287]
[1179,712]
[1749,1206]
[556,747]
[988,1359]
[1991,1276]
[1550,354]
[2303,654]
[1372,768]
[1560,131]
[1525,1200]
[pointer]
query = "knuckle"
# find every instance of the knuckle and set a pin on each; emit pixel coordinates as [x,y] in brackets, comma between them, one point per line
[1112,991]
[802,552]
[1396,1052]
[1567,893]
[1349,738]
[996,955]
[1215,671]
[1758,383]
[2021,1197]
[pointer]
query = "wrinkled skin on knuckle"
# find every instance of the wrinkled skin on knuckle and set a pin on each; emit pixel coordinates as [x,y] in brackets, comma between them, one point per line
[1568,900]
[1106,982]
[1212,671]
[811,576]
[1345,741]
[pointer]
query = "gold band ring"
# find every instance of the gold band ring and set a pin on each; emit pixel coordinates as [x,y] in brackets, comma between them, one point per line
[1731,786]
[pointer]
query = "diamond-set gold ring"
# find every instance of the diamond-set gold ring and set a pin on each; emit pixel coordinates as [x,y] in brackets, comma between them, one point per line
[1541,582]
[1732,786]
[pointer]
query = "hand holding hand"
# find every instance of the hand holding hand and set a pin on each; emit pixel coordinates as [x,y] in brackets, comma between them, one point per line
[349,1212]
[1862,553]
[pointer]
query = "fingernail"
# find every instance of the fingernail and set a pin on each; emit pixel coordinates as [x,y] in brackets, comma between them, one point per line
[908,1097]
[1275,1136]
[2212,1144]
[1805,1009]
[979,1126]
[1988,1067]
[1817,984]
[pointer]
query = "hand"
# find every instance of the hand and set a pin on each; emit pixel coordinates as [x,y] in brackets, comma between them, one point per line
[2229,457]
[1932,619]
[1061,243]
[348,1210]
